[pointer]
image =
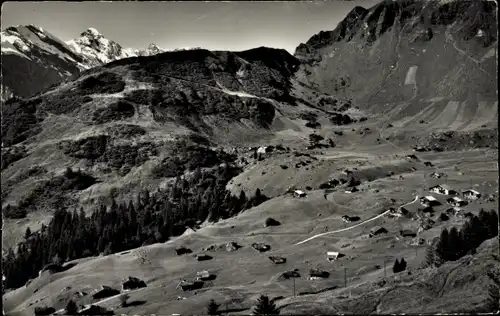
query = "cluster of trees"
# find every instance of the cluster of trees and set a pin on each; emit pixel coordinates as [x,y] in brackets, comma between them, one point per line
[50,192]
[123,226]
[399,266]
[453,244]
[264,306]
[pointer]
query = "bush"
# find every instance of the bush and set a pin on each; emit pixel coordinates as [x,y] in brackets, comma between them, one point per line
[14,212]
[114,112]
[313,124]
[339,119]
[213,308]
[314,138]
[272,222]
[91,147]
[71,308]
[126,156]
[189,157]
[106,82]
[44,310]
[443,217]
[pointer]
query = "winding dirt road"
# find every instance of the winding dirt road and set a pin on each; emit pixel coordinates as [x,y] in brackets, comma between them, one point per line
[354,226]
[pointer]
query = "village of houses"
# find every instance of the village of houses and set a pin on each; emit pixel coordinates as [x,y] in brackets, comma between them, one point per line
[439,203]
[453,203]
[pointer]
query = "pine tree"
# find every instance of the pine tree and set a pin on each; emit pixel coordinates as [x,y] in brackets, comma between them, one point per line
[456,247]
[402,265]
[27,234]
[430,257]
[71,308]
[396,267]
[442,245]
[213,308]
[265,307]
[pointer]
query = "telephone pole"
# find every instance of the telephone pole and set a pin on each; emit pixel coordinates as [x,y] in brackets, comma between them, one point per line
[293,287]
[385,273]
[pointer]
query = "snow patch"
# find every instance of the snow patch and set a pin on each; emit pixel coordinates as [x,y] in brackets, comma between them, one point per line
[8,50]
[491,53]
[93,31]
[238,93]
[411,76]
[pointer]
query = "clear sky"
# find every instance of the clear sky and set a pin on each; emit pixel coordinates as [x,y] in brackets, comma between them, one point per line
[211,25]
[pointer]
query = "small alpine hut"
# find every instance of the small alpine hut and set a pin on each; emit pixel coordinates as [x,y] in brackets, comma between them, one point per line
[277,260]
[428,201]
[315,274]
[203,275]
[346,218]
[262,150]
[471,194]
[104,291]
[260,247]
[203,257]
[352,190]
[299,193]
[133,283]
[407,233]
[377,230]
[436,175]
[456,201]
[189,286]
[443,189]
[332,255]
[182,251]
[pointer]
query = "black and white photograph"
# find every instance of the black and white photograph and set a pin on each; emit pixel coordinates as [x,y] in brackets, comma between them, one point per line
[249,157]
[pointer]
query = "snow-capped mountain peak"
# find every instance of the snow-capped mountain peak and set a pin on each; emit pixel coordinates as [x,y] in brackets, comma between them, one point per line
[96,49]
[93,32]
[33,55]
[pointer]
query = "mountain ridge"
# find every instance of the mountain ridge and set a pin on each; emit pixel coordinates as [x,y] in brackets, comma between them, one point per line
[363,120]
[44,60]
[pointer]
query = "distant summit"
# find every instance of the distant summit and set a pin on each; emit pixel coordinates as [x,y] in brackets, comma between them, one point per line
[96,50]
[33,59]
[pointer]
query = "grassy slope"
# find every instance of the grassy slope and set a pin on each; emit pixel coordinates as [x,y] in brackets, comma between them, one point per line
[162,268]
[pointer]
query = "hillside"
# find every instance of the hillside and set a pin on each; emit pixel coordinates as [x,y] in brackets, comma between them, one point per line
[33,59]
[410,61]
[118,167]
[118,122]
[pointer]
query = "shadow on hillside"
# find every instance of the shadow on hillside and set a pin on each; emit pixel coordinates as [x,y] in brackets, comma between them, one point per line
[135,303]
[233,310]
[319,291]
[68,266]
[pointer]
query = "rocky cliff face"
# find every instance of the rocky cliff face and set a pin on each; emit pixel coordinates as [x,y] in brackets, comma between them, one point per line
[406,58]
[33,59]
[97,50]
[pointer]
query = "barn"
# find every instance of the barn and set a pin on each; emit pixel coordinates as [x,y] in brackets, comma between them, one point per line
[443,189]
[471,194]
[429,201]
